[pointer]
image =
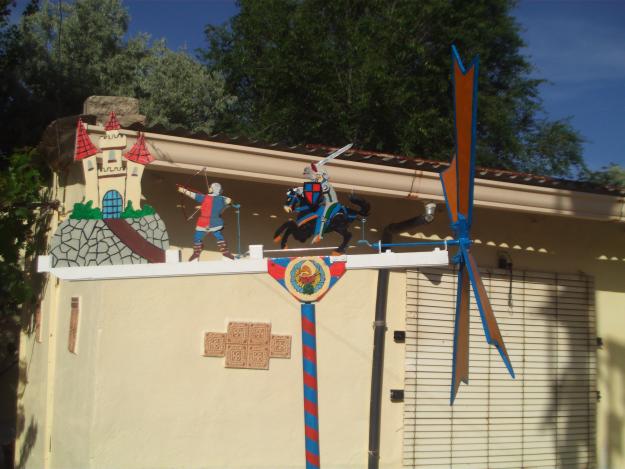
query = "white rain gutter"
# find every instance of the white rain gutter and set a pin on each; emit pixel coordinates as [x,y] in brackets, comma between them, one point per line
[187,155]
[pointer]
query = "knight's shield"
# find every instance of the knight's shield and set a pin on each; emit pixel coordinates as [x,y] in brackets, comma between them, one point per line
[312,193]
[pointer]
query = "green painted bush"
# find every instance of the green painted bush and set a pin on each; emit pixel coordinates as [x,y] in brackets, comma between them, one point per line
[130,212]
[85,212]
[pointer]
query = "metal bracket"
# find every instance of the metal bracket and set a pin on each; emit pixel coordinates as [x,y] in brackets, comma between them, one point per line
[379,324]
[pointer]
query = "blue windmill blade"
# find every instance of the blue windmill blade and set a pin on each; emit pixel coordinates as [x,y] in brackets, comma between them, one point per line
[460,364]
[489,322]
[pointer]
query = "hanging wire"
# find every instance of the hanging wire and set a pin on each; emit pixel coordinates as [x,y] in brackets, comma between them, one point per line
[237,208]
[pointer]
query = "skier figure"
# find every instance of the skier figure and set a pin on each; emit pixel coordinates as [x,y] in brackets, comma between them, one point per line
[209,221]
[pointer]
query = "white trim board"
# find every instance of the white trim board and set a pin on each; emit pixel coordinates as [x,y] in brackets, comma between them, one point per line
[255,264]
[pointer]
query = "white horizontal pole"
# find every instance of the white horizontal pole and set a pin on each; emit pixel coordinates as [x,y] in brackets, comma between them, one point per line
[175,269]
[385,260]
[397,260]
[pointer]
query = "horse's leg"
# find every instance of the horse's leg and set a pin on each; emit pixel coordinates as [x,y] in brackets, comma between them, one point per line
[291,229]
[340,225]
[278,235]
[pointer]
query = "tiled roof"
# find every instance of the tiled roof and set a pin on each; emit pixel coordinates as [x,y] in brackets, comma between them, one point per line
[84,146]
[113,123]
[503,175]
[139,152]
[399,161]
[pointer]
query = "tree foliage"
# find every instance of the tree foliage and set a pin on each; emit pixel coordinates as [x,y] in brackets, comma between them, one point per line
[63,52]
[20,197]
[610,175]
[377,72]
[174,89]
[24,216]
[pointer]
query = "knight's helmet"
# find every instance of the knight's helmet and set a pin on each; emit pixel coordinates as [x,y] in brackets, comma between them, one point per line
[310,173]
[216,188]
[313,172]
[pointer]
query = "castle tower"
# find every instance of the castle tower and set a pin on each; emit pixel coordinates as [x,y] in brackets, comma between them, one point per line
[137,158]
[112,175]
[85,151]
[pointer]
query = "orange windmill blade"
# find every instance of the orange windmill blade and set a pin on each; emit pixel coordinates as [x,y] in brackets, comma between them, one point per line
[458,183]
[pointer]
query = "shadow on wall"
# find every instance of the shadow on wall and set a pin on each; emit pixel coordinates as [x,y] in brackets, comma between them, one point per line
[29,439]
[572,411]
[615,367]
[27,435]
[30,327]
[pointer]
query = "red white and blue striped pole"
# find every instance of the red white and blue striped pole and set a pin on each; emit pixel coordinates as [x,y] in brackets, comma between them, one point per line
[311,406]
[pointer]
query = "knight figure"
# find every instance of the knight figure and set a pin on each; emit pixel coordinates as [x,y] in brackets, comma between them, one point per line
[318,211]
[211,207]
[317,175]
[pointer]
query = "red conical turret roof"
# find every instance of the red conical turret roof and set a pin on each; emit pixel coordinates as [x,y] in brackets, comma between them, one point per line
[84,146]
[139,152]
[113,123]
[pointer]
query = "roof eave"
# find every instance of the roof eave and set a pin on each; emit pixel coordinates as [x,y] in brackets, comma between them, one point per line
[185,155]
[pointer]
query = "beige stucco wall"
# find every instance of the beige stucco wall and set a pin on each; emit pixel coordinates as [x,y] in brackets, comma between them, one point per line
[91,181]
[139,393]
[134,173]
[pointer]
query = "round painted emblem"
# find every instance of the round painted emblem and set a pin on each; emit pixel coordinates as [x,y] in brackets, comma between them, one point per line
[307,278]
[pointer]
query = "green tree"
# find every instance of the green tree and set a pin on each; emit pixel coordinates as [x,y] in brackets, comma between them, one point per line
[24,215]
[174,89]
[63,52]
[610,175]
[377,72]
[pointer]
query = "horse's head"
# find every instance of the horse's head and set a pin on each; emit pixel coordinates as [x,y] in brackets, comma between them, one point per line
[293,199]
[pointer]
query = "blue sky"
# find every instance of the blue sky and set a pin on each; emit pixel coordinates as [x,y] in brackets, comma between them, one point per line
[577,45]
[181,22]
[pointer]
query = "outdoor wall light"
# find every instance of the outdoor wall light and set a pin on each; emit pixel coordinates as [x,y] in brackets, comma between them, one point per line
[430,208]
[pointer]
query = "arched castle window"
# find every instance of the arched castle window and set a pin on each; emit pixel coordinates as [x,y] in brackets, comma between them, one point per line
[89,165]
[112,158]
[135,171]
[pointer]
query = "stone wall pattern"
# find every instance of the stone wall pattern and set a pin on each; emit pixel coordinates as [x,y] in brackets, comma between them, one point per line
[91,242]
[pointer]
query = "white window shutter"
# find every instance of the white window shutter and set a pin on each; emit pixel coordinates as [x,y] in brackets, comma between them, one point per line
[545,418]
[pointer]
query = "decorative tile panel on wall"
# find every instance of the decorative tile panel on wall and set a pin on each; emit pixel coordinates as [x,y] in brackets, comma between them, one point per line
[247,345]
[73,325]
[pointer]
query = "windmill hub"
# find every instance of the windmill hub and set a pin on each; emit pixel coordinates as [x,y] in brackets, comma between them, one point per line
[461,230]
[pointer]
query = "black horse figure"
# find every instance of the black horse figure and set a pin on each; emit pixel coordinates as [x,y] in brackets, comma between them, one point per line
[303,227]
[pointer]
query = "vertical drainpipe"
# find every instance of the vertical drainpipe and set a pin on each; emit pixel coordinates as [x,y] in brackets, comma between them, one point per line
[377,367]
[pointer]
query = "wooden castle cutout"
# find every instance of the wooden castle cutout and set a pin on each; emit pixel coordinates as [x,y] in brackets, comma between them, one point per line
[115,182]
